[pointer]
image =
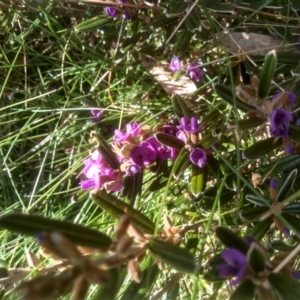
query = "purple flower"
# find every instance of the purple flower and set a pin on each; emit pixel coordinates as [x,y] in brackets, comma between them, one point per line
[298,122]
[111,11]
[286,232]
[280,122]
[133,169]
[169,129]
[134,129]
[273,184]
[198,157]
[194,71]
[236,265]
[190,126]
[289,148]
[162,152]
[120,136]
[175,64]
[96,113]
[143,155]
[291,98]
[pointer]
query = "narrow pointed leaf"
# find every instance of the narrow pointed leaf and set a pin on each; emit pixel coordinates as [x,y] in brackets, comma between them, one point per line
[177,9]
[132,187]
[213,275]
[231,240]
[294,132]
[250,123]
[256,259]
[31,225]
[225,93]
[244,291]
[288,288]
[198,179]
[93,23]
[179,258]
[252,213]
[260,201]
[287,187]
[261,148]
[292,208]
[283,164]
[117,208]
[260,229]
[281,246]
[192,22]
[159,23]
[107,153]
[208,140]
[180,107]
[183,39]
[267,74]
[169,140]
[291,222]
[181,163]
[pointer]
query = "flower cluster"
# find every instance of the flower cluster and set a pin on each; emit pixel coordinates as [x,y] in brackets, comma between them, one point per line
[193,69]
[138,148]
[114,13]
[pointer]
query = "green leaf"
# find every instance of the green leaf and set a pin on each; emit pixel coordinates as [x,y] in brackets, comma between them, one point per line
[260,229]
[267,74]
[288,288]
[281,246]
[180,107]
[260,201]
[256,258]
[225,93]
[294,133]
[183,39]
[250,123]
[181,163]
[117,208]
[192,22]
[169,140]
[231,240]
[245,291]
[105,150]
[177,9]
[291,222]
[252,213]
[208,140]
[31,225]
[132,187]
[287,188]
[261,148]
[283,164]
[292,208]
[93,23]
[198,179]
[179,258]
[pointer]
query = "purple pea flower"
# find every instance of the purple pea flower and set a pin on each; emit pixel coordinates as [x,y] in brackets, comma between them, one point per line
[96,113]
[111,11]
[120,136]
[236,265]
[143,155]
[190,126]
[273,184]
[134,129]
[289,148]
[194,71]
[175,64]
[133,169]
[291,99]
[298,122]
[198,157]
[280,122]
[286,232]
[161,151]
